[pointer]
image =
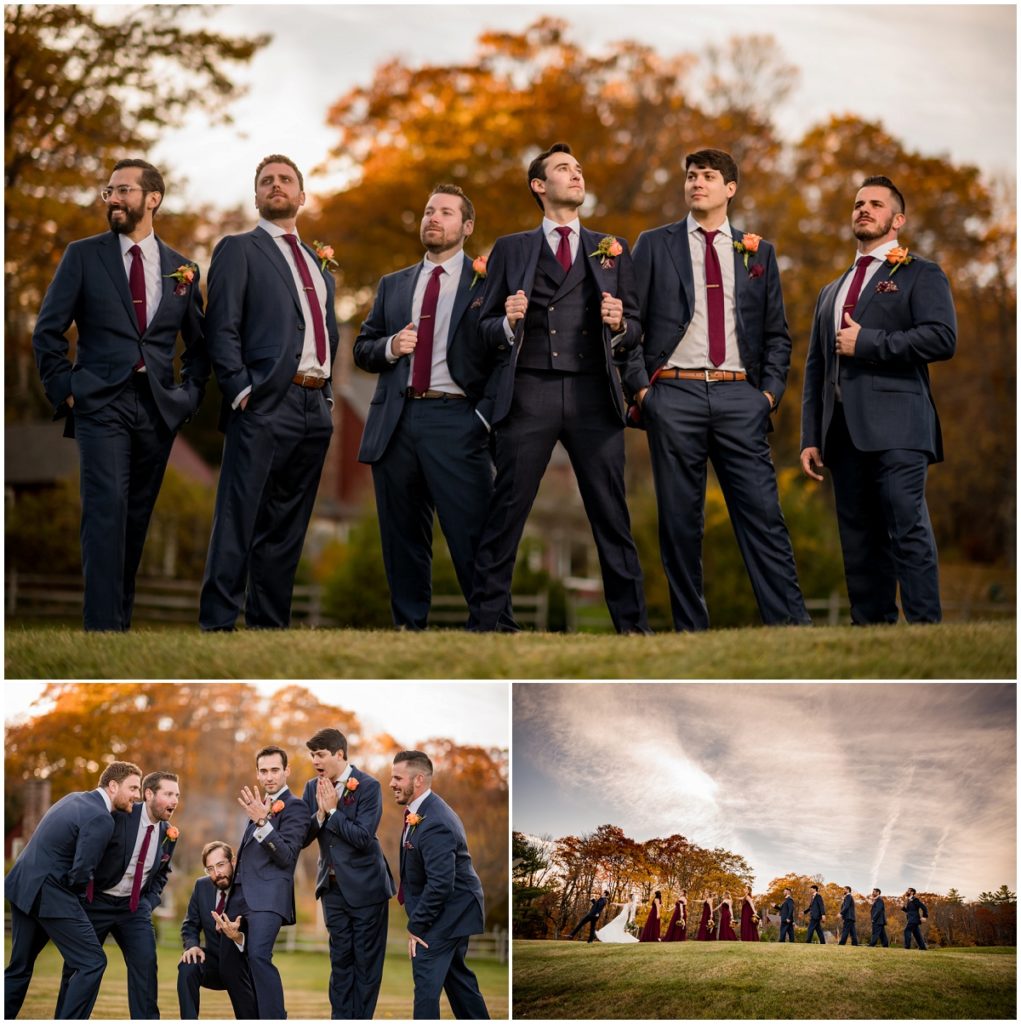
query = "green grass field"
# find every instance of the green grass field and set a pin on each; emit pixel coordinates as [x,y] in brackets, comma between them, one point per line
[699,980]
[973,650]
[305,976]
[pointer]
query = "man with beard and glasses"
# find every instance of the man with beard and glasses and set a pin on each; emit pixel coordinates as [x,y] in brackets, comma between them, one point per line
[272,335]
[129,296]
[868,410]
[353,879]
[45,886]
[128,882]
[427,432]
[261,901]
[200,966]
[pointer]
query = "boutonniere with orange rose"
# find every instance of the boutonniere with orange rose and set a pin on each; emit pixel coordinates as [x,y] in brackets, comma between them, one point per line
[898,257]
[278,806]
[479,266]
[184,275]
[414,820]
[324,253]
[749,246]
[349,790]
[607,250]
[172,833]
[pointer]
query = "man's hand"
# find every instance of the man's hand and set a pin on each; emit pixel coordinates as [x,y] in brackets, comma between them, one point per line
[612,312]
[326,795]
[225,926]
[640,396]
[69,401]
[244,401]
[404,341]
[515,307]
[254,805]
[811,463]
[847,337]
[772,399]
[413,941]
[194,954]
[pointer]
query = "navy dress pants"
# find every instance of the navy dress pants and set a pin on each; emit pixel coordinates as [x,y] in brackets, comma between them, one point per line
[442,968]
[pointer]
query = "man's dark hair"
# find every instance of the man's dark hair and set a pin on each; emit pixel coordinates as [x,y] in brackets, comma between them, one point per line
[153,779]
[217,844]
[814,887]
[787,889]
[418,762]
[279,158]
[118,771]
[847,889]
[879,892]
[272,750]
[467,209]
[912,891]
[328,739]
[717,159]
[884,181]
[151,181]
[606,892]
[537,168]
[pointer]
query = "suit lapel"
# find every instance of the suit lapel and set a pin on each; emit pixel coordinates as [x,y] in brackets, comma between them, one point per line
[869,289]
[532,248]
[110,255]
[461,299]
[131,835]
[265,241]
[406,293]
[740,278]
[680,252]
[167,266]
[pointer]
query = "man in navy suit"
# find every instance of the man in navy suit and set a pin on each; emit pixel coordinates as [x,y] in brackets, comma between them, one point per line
[867,410]
[711,370]
[353,879]
[816,915]
[129,296]
[916,912]
[45,885]
[440,891]
[847,918]
[878,915]
[559,307]
[200,966]
[592,917]
[427,432]
[272,335]
[786,910]
[262,899]
[128,882]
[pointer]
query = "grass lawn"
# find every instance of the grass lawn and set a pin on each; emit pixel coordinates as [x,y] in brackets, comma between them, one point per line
[760,980]
[970,650]
[305,976]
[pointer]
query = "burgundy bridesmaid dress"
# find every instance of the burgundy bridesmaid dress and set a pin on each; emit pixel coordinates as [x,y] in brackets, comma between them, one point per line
[650,933]
[726,931]
[673,929]
[705,924]
[749,929]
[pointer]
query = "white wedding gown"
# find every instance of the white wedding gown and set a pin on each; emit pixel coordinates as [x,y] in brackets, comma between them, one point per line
[615,930]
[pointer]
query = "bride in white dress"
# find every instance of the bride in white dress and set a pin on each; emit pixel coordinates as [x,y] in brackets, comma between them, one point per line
[615,931]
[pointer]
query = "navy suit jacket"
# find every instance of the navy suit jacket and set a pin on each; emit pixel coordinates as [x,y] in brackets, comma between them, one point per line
[64,850]
[666,295]
[469,361]
[815,909]
[442,892]
[91,290]
[255,326]
[116,860]
[786,910]
[879,913]
[198,922]
[884,386]
[847,908]
[511,268]
[915,909]
[265,870]
[348,843]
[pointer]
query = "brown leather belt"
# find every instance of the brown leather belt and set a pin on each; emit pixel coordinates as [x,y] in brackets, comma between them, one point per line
[305,380]
[412,393]
[707,375]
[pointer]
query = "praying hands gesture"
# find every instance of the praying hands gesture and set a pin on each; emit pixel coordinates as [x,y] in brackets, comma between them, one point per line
[326,796]
[255,805]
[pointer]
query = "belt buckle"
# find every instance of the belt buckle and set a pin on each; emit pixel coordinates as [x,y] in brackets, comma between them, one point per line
[708,379]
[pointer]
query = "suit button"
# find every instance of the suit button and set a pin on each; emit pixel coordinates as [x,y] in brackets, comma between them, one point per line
[584,331]
[581,355]
[554,331]
[556,353]
[552,308]
[501,348]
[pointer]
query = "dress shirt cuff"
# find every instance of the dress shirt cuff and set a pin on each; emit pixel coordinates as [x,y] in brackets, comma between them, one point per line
[485,422]
[508,331]
[617,338]
[243,393]
[240,942]
[261,833]
[390,357]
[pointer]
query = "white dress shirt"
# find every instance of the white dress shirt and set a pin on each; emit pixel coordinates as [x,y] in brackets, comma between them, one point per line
[878,255]
[263,831]
[692,353]
[152,270]
[123,887]
[106,798]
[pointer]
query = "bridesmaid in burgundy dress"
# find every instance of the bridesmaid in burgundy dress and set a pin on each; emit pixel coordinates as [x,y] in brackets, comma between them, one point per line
[749,918]
[650,933]
[727,933]
[674,927]
[705,924]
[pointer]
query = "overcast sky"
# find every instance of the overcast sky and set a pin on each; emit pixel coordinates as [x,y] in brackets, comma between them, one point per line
[941,78]
[468,713]
[867,784]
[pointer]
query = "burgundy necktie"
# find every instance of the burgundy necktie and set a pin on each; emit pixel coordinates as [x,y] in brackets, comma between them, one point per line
[422,369]
[855,290]
[564,248]
[136,884]
[136,280]
[221,903]
[400,887]
[318,325]
[90,891]
[714,300]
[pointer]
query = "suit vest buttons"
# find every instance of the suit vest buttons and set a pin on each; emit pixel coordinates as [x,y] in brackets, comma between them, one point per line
[552,308]
[556,353]
[553,331]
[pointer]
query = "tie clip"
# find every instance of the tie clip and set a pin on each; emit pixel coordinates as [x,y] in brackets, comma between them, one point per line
[712,286]
[138,301]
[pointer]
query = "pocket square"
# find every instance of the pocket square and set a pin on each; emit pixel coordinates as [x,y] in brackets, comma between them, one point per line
[477,304]
[885,287]
[165,858]
[181,289]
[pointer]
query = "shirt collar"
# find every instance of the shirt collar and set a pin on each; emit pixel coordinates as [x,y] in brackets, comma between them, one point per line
[549,226]
[106,798]
[343,776]
[879,253]
[724,228]
[150,250]
[275,230]
[145,819]
[417,802]
[449,266]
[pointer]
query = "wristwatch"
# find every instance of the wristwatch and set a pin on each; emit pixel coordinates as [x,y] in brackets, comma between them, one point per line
[261,822]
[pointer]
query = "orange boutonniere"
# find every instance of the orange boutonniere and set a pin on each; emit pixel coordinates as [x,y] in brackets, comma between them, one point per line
[325,254]
[278,806]
[349,788]
[898,257]
[607,250]
[172,833]
[414,820]
[184,275]
[748,246]
[479,266]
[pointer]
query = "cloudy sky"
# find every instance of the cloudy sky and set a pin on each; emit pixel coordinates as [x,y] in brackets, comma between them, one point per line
[867,784]
[468,713]
[942,78]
